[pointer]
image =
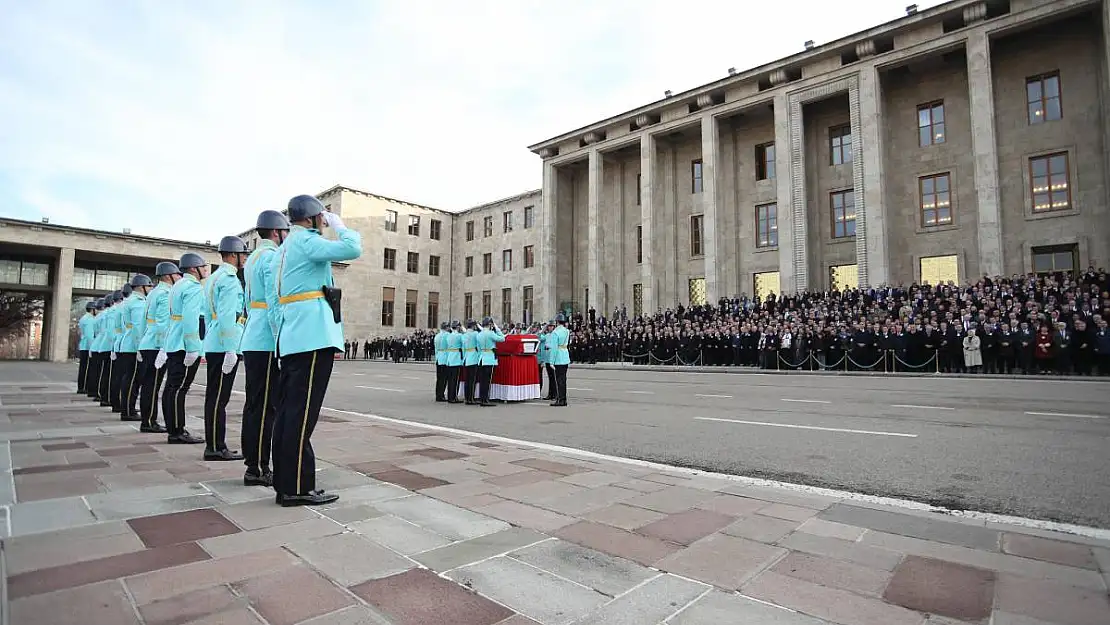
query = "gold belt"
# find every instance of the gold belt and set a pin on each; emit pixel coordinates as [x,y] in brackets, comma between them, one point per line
[175,317]
[259,305]
[301,297]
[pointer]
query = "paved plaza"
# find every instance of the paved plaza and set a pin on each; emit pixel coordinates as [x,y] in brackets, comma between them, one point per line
[110,526]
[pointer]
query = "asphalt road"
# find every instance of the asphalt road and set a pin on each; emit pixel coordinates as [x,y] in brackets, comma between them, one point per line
[1034,447]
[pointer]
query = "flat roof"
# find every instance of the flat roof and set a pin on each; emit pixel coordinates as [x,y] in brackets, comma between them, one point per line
[104,233]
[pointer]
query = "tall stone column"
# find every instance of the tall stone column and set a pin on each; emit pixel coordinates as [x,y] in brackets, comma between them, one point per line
[980,86]
[548,303]
[593,228]
[1106,90]
[647,192]
[871,243]
[710,156]
[784,181]
[60,303]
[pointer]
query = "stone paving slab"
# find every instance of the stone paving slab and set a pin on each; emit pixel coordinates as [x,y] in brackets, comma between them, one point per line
[112,526]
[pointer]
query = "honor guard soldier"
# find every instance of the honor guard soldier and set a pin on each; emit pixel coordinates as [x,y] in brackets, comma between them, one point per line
[471,361]
[259,341]
[543,357]
[119,368]
[107,346]
[226,316]
[454,361]
[440,343]
[310,333]
[558,346]
[85,328]
[487,339]
[134,324]
[96,354]
[155,323]
[181,353]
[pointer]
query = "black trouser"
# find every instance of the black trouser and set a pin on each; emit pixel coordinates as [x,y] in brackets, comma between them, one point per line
[472,381]
[485,378]
[216,396]
[552,387]
[82,369]
[96,363]
[150,380]
[453,382]
[118,382]
[304,381]
[441,381]
[178,380]
[105,379]
[128,382]
[260,409]
[561,382]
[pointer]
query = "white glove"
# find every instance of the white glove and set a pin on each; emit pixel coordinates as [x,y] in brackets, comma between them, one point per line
[333,221]
[278,359]
[230,360]
[139,356]
[113,356]
[160,359]
[190,358]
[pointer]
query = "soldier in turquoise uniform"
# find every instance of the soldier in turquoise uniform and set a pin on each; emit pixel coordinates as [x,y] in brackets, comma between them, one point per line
[487,339]
[471,361]
[558,342]
[85,333]
[310,333]
[152,338]
[543,357]
[96,357]
[180,354]
[120,369]
[226,318]
[133,316]
[107,340]
[440,343]
[454,361]
[260,365]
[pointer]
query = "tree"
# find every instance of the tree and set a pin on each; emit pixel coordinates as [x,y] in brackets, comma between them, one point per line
[17,310]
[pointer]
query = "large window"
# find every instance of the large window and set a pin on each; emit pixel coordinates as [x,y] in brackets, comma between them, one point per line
[413,265]
[470,231]
[507,221]
[487,226]
[639,244]
[1048,176]
[843,205]
[639,190]
[389,259]
[31,274]
[506,305]
[526,305]
[696,176]
[529,216]
[938,270]
[435,227]
[840,145]
[1043,95]
[1055,259]
[433,309]
[765,161]
[843,277]
[767,225]
[410,308]
[387,306]
[529,256]
[766,283]
[487,303]
[468,305]
[391,221]
[469,263]
[487,263]
[936,200]
[506,260]
[930,123]
[433,265]
[696,234]
[414,225]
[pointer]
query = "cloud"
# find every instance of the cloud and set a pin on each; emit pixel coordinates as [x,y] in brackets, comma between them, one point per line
[186,119]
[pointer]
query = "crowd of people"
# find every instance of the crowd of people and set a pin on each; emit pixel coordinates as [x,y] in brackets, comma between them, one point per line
[1023,324]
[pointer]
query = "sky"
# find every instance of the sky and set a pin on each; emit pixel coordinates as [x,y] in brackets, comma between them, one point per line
[185,118]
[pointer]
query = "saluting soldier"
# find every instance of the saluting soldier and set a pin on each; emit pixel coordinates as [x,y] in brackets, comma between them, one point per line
[309,335]
[85,328]
[486,340]
[221,346]
[134,322]
[181,353]
[156,322]
[259,341]
[557,343]
[440,343]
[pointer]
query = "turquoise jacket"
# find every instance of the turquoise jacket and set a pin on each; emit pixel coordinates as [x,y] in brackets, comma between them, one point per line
[454,349]
[487,339]
[85,327]
[301,267]
[120,322]
[225,311]
[133,318]
[440,343]
[157,318]
[558,346]
[470,348]
[541,349]
[98,331]
[187,310]
[107,332]
[260,333]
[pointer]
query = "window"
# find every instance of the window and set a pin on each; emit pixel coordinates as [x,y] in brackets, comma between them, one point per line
[767,225]
[840,145]
[1055,259]
[695,176]
[506,260]
[506,305]
[766,283]
[936,200]
[696,235]
[639,189]
[487,263]
[469,262]
[470,231]
[468,305]
[843,277]
[391,221]
[433,309]
[526,305]
[1048,176]
[390,259]
[487,303]
[529,216]
[507,221]
[1043,95]
[930,123]
[487,226]
[436,226]
[82,278]
[937,270]
[413,263]
[387,306]
[414,225]
[433,265]
[637,300]
[529,256]
[410,309]
[106,280]
[765,161]
[639,244]
[697,292]
[843,214]
[33,274]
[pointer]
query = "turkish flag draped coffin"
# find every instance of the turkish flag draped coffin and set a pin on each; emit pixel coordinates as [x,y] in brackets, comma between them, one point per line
[517,375]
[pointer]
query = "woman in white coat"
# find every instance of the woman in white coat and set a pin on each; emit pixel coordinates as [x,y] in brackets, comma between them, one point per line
[973,358]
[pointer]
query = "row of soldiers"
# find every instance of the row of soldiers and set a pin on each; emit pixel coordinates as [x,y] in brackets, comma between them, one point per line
[274,309]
